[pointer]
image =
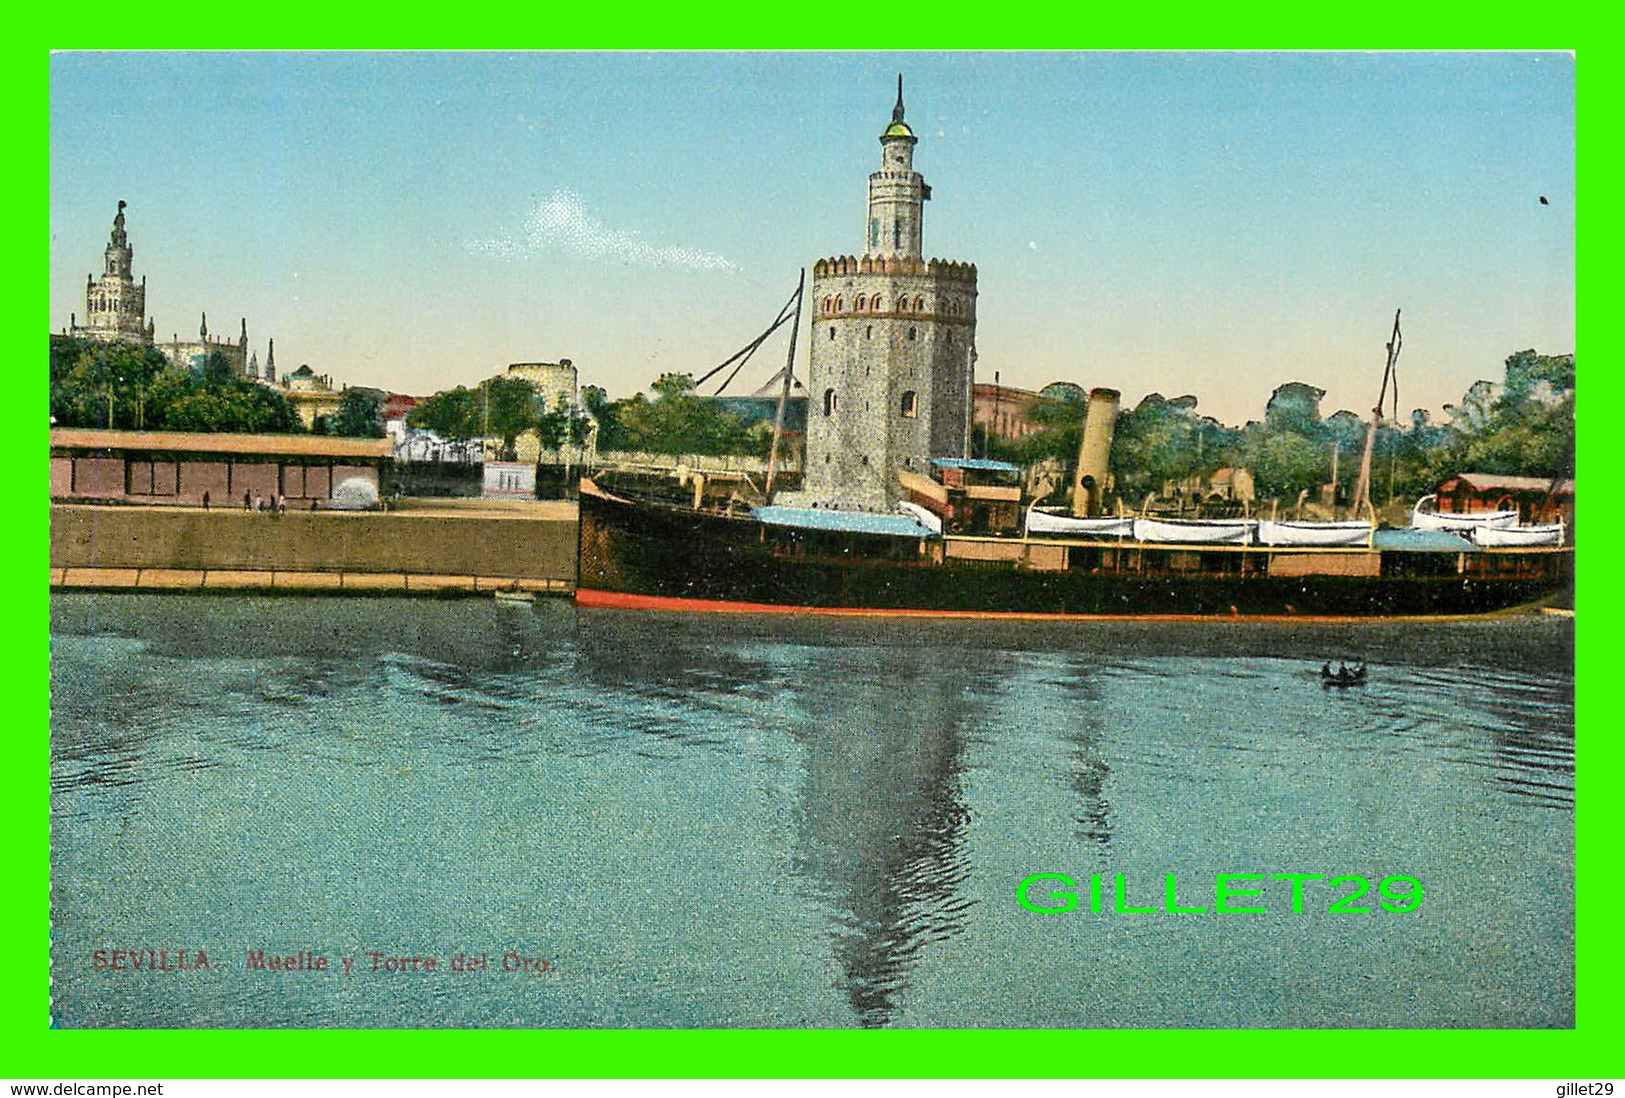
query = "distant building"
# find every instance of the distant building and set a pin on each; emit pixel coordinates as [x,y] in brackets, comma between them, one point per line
[893,346]
[311,394]
[172,467]
[115,307]
[554,381]
[509,480]
[115,312]
[1230,485]
[412,444]
[194,354]
[397,406]
[762,406]
[1536,499]
[1001,411]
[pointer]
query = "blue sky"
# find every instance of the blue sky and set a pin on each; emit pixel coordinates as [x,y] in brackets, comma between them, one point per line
[1213,224]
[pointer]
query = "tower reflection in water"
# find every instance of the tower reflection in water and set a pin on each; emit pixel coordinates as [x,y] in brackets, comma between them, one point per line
[882,817]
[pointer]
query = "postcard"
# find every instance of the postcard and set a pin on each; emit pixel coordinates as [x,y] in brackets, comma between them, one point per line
[813,542]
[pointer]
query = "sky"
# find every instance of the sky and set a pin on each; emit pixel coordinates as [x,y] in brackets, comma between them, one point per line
[1214,224]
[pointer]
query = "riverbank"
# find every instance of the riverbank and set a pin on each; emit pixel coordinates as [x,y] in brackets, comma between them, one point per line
[419,547]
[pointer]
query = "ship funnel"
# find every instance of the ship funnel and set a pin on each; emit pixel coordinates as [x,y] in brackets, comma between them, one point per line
[1094,455]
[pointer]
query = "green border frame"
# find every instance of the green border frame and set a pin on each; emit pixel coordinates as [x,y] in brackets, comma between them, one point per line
[36,1052]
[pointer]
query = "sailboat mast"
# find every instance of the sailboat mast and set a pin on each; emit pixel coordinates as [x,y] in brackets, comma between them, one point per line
[784,394]
[1362,487]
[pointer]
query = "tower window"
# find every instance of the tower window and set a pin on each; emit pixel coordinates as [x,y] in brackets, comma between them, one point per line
[829,402]
[869,332]
[911,333]
[832,331]
[911,404]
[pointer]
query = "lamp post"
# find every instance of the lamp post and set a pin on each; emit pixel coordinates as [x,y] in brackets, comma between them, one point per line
[987,440]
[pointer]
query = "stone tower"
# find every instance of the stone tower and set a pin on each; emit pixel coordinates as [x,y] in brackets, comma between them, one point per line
[893,347]
[114,304]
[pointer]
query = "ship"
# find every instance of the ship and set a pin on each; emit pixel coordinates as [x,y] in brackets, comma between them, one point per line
[643,552]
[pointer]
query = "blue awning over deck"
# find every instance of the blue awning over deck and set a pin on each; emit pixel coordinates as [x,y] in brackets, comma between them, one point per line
[843,522]
[1420,541]
[986,465]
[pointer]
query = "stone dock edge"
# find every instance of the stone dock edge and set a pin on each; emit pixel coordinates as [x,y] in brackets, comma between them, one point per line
[187,580]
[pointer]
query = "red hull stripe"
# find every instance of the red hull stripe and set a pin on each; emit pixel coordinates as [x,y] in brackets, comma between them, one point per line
[615,600]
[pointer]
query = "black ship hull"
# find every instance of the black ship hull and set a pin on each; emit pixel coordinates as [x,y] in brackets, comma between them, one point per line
[655,556]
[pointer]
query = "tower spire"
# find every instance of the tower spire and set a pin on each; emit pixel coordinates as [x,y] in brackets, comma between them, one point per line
[896,191]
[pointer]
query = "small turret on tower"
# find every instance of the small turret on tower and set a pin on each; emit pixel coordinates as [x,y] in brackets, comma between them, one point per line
[896,191]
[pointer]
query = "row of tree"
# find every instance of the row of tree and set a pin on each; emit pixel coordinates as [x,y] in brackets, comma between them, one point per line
[121,385]
[676,420]
[1522,426]
[501,407]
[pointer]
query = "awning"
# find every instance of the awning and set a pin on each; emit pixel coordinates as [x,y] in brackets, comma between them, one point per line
[843,522]
[986,465]
[1420,541]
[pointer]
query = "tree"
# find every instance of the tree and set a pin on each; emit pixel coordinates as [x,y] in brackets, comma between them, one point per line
[508,407]
[1294,407]
[1158,441]
[235,405]
[1283,463]
[1522,427]
[1060,417]
[565,423]
[611,435]
[451,413]
[103,384]
[358,416]
[217,369]
[677,421]
[122,385]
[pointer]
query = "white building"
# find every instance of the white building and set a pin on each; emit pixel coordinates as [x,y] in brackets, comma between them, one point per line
[509,480]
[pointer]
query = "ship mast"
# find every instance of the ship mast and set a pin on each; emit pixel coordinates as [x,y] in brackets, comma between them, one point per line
[1362,486]
[784,395]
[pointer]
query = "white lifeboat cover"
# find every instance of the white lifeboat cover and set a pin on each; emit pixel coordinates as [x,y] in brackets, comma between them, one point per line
[1314,533]
[1039,522]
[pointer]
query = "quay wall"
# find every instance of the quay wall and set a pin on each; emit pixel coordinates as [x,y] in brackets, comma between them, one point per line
[193,540]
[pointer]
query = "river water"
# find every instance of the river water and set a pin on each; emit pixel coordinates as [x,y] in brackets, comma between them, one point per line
[642,820]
